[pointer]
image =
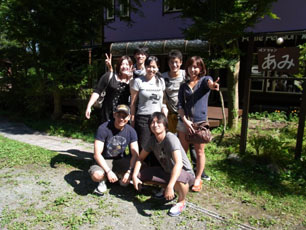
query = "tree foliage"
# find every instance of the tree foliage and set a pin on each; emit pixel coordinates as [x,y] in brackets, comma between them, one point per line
[43,40]
[223,23]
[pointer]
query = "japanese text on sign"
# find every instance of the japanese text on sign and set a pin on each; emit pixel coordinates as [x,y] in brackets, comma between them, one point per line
[279,59]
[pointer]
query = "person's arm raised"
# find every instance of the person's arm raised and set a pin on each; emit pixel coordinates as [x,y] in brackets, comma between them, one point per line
[108,62]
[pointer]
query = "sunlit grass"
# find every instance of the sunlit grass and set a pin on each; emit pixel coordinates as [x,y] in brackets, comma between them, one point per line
[14,153]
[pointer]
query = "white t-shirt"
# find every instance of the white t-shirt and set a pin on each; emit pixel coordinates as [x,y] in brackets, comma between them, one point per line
[150,94]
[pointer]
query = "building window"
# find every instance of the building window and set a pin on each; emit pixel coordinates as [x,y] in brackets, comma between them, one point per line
[110,12]
[124,9]
[167,8]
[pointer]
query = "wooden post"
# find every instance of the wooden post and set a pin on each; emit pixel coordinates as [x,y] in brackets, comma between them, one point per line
[89,56]
[246,96]
[300,133]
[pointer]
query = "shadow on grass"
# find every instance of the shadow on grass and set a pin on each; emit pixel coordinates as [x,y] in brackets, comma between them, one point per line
[81,182]
[78,179]
[73,157]
[131,195]
[83,185]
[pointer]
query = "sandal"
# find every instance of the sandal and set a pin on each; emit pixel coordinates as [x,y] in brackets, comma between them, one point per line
[197,188]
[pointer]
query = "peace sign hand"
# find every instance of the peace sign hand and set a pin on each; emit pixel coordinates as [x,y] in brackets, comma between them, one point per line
[108,62]
[213,85]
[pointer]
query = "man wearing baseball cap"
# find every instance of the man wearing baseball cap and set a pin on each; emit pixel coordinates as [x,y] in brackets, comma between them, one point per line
[111,140]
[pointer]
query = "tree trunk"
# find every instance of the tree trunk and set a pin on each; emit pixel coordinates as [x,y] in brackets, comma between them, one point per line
[57,103]
[233,96]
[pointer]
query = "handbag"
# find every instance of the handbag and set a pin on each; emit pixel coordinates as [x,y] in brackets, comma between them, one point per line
[201,133]
[99,102]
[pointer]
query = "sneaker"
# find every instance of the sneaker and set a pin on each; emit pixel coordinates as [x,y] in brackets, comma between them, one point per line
[159,195]
[177,209]
[205,176]
[101,188]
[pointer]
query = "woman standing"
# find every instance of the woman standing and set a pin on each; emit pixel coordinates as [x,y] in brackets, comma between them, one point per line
[116,87]
[192,105]
[148,90]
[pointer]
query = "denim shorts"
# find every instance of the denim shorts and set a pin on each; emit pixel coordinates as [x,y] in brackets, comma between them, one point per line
[181,127]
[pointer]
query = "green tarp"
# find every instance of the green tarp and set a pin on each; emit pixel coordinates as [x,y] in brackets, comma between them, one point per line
[160,47]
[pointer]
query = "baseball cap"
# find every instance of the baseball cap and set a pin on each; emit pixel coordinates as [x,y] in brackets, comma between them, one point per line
[122,108]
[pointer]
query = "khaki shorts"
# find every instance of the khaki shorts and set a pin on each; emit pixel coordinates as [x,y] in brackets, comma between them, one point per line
[118,166]
[172,122]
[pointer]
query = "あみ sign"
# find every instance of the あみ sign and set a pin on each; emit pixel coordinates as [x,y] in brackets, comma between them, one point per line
[285,60]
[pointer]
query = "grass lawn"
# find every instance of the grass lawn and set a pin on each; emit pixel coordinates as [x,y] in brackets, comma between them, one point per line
[265,187]
[13,153]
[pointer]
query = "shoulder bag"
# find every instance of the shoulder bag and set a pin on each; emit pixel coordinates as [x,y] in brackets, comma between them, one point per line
[99,102]
[201,133]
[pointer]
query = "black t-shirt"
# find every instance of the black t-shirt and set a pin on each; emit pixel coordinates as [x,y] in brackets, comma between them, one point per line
[117,93]
[115,141]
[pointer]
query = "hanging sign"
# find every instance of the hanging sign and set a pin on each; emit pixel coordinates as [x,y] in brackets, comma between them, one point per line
[284,60]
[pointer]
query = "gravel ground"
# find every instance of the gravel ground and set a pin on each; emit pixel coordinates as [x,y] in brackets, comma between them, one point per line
[59,195]
[38,197]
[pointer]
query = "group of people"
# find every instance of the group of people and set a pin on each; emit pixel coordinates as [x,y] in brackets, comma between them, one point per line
[151,113]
